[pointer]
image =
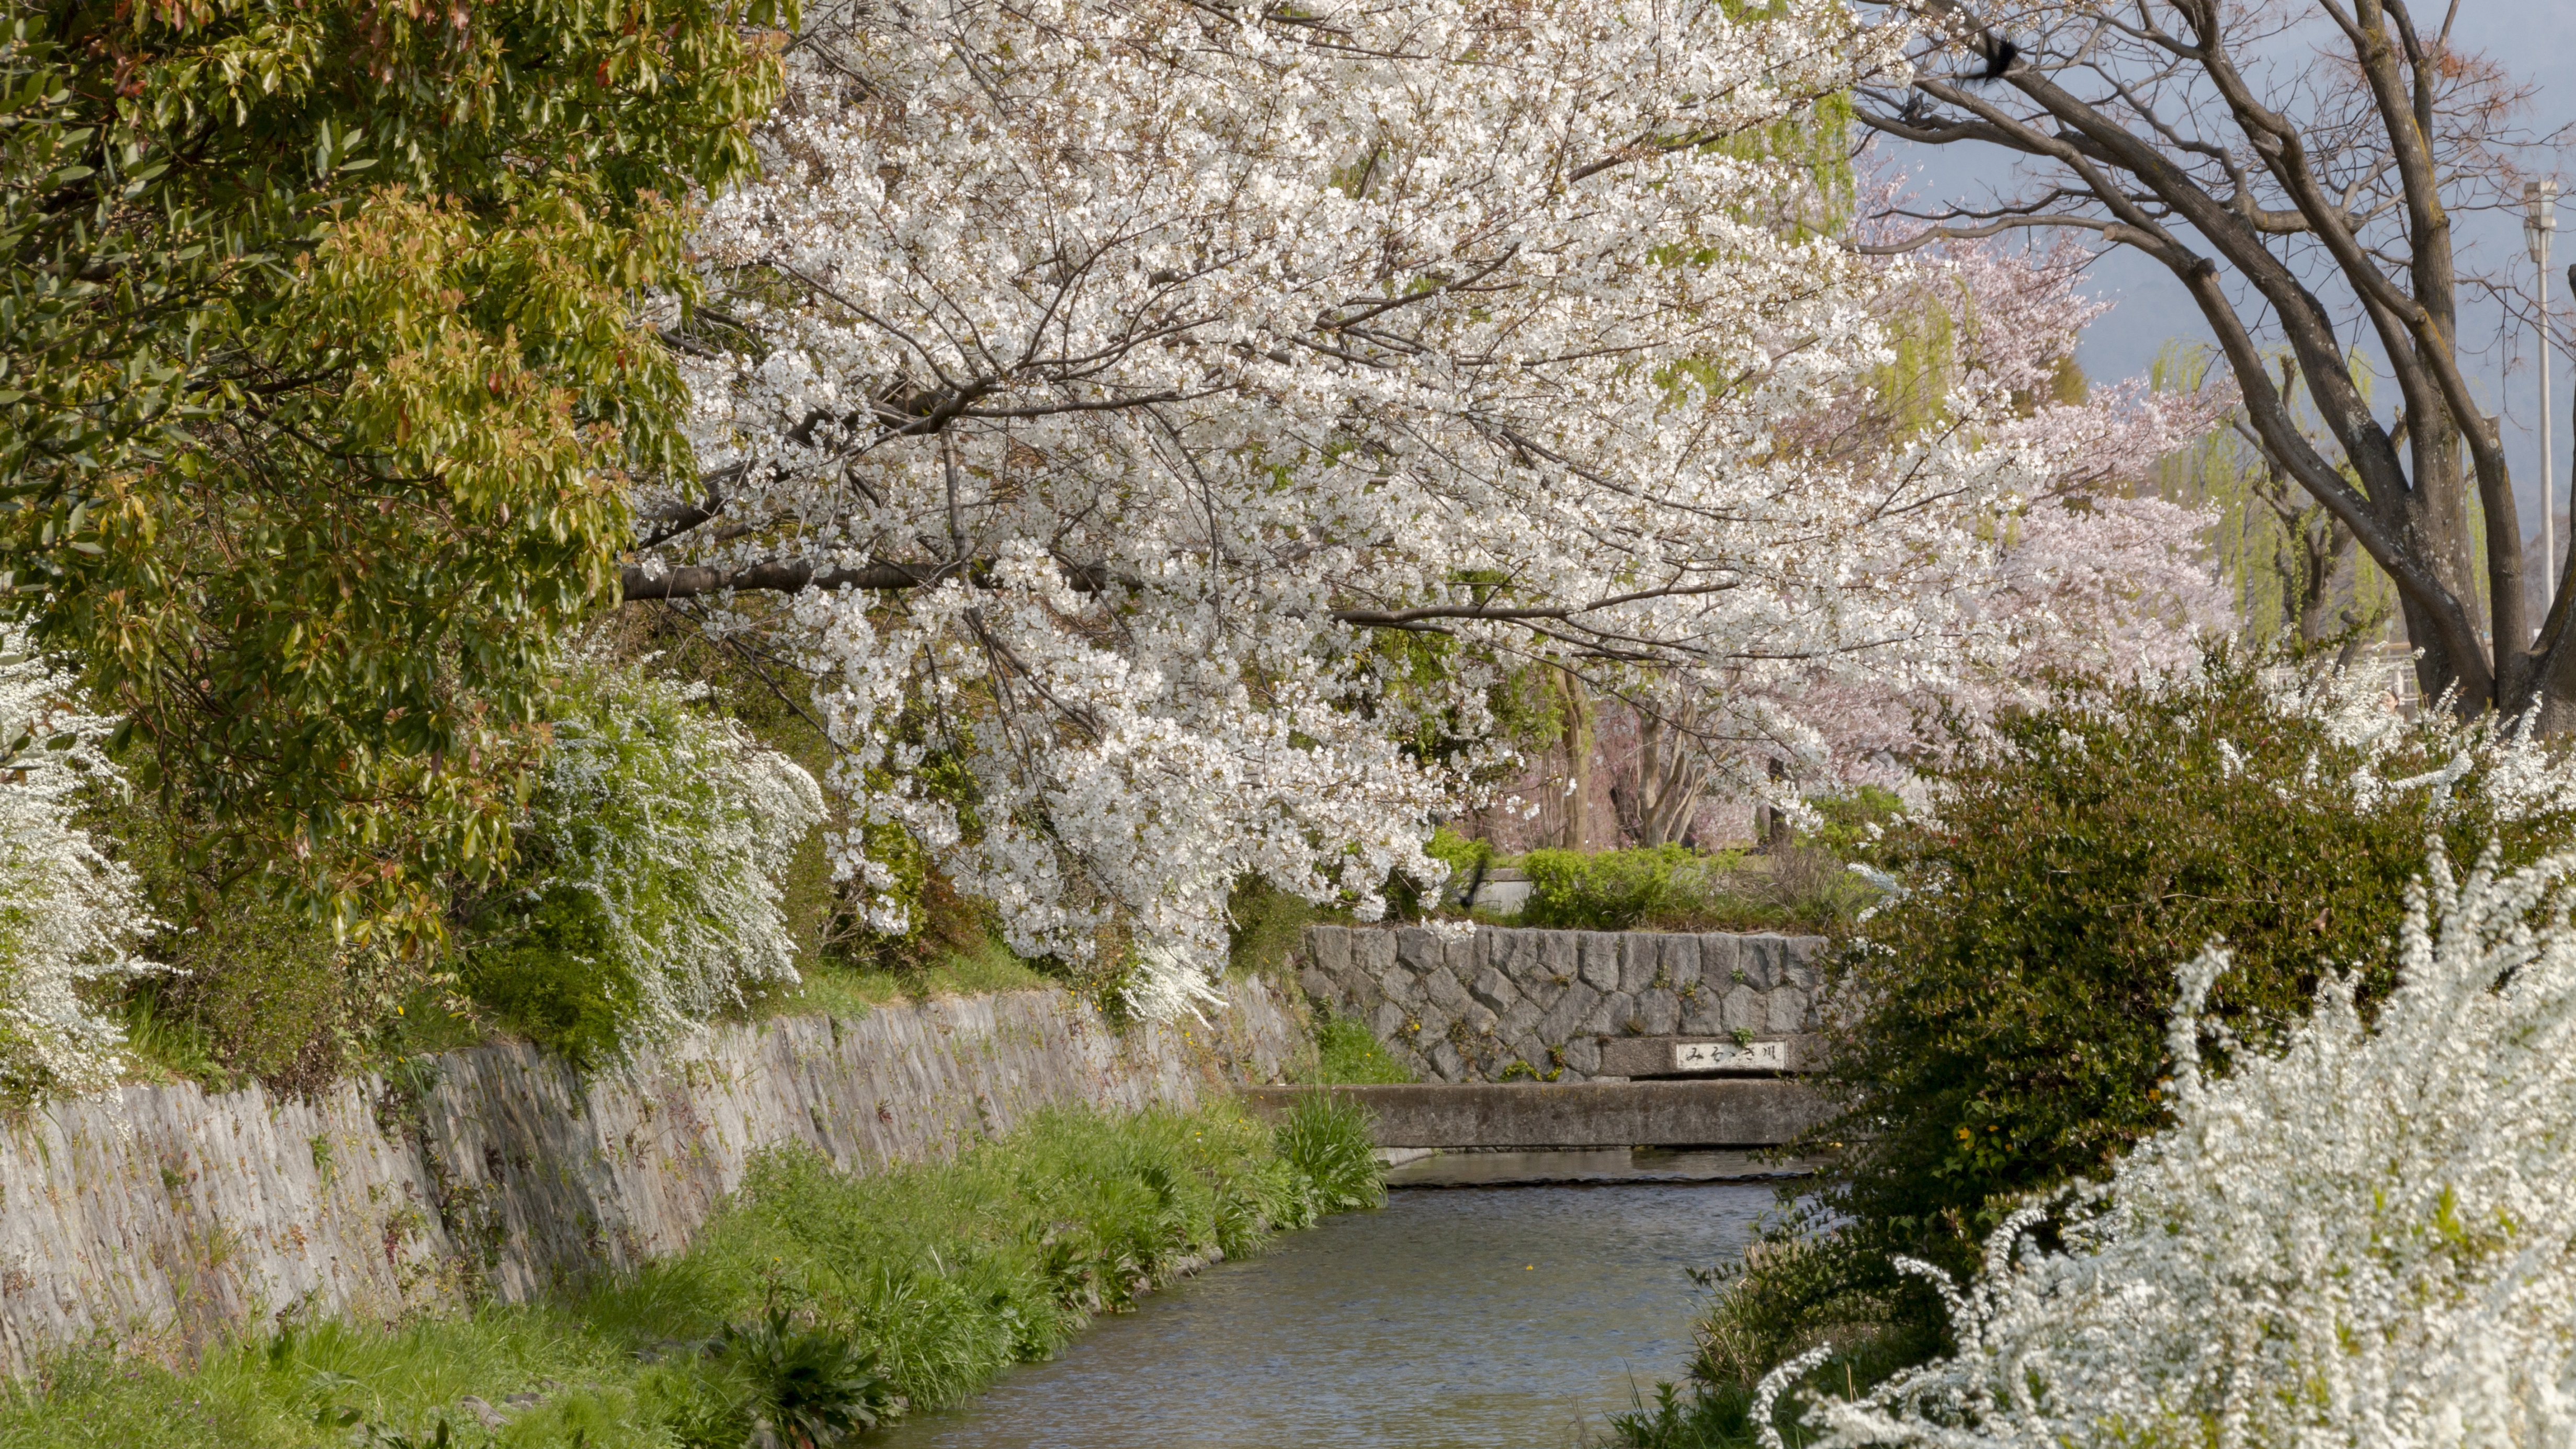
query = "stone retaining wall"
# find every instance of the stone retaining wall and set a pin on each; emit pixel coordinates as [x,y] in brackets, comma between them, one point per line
[159,1218]
[1507,1003]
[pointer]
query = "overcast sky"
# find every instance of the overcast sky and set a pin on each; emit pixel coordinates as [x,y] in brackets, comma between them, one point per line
[2536,40]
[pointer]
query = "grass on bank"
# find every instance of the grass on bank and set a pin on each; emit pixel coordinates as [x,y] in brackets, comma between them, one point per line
[914,1286]
[1347,1052]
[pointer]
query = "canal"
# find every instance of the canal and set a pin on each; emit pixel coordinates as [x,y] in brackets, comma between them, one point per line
[1485,1318]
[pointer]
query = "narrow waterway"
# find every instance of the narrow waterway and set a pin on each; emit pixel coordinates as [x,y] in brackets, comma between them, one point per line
[1490,1318]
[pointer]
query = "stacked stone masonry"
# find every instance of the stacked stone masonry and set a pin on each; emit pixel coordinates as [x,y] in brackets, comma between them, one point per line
[1508,1004]
[161,1218]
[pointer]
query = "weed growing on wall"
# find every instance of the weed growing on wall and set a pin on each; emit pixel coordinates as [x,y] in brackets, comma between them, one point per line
[815,1294]
[1268,924]
[1347,1051]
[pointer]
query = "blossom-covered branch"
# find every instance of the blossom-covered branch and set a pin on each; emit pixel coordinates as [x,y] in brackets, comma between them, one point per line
[1111,375]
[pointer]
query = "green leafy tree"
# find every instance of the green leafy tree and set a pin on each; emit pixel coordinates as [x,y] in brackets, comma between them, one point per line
[322,382]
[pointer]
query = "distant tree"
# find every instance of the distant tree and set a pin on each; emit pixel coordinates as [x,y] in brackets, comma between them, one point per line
[2095,571]
[2289,563]
[2297,167]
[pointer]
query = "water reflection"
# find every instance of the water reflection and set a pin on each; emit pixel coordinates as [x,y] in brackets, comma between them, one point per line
[1515,1318]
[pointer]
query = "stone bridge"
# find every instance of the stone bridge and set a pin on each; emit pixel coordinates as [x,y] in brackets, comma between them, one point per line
[1505,1004]
[1577,1040]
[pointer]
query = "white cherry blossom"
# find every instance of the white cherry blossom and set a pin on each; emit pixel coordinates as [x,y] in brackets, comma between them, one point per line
[1116,377]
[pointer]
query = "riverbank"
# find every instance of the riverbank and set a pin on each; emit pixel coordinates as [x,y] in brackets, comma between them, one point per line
[898,1289]
[165,1220]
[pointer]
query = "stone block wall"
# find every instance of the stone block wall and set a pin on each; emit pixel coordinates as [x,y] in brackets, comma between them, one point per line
[1506,1004]
[161,1218]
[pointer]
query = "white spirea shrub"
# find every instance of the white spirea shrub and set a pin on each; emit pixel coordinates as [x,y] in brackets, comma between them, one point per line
[680,827]
[2366,1239]
[69,914]
[2503,765]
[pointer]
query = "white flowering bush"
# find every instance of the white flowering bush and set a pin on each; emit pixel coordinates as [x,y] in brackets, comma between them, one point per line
[2008,1003]
[2365,1237]
[653,851]
[69,914]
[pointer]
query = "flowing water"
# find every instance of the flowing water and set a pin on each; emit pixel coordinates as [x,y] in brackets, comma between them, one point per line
[1492,1318]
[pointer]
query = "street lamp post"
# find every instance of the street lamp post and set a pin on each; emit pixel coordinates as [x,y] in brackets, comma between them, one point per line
[2540,218]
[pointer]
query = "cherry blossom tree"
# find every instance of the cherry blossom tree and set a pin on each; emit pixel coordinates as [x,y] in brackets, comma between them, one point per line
[2094,571]
[1170,420]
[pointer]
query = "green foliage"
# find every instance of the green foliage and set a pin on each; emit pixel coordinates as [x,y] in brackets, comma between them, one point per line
[1463,856]
[946,937]
[773,701]
[1346,1051]
[2012,1005]
[264,989]
[916,1283]
[813,1385]
[2266,523]
[951,1273]
[1849,819]
[324,382]
[1414,670]
[368,1434]
[556,977]
[1720,1415]
[173,1049]
[1265,925]
[941,923]
[1609,890]
[1816,140]
[1326,1139]
[1674,888]
[829,986]
[259,990]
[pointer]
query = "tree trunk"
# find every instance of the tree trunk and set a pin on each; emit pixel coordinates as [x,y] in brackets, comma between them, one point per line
[2326,550]
[2255,195]
[1772,823]
[1574,799]
[1670,777]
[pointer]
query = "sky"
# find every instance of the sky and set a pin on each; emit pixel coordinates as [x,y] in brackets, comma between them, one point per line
[2536,41]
